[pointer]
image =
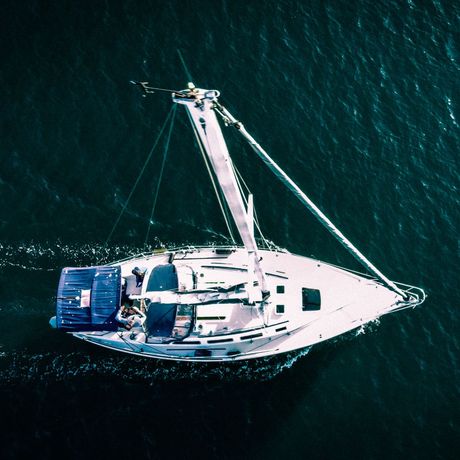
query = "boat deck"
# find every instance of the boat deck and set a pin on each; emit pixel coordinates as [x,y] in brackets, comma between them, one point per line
[230,329]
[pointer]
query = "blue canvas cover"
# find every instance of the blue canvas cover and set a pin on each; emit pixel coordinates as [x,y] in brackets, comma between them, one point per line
[160,319]
[163,278]
[88,298]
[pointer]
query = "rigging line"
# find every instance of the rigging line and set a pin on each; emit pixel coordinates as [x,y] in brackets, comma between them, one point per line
[242,179]
[226,210]
[165,154]
[245,200]
[256,220]
[126,342]
[200,146]
[189,75]
[139,177]
[236,173]
[256,217]
[140,349]
[238,178]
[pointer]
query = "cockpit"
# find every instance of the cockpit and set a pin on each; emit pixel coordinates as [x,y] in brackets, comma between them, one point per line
[163,321]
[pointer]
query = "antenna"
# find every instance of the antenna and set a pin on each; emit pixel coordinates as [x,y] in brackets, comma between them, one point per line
[146,89]
[189,75]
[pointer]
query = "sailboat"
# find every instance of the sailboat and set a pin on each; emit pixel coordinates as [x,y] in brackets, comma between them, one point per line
[224,303]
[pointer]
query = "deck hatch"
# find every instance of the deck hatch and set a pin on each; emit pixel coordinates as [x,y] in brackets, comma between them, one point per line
[279,309]
[311,299]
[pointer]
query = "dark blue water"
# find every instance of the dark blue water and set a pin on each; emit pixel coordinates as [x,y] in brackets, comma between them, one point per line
[358,101]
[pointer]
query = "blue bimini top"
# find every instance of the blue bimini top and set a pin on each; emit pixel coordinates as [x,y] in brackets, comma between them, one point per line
[88,298]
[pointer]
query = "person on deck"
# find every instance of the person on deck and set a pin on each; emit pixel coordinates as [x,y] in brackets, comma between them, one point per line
[130,317]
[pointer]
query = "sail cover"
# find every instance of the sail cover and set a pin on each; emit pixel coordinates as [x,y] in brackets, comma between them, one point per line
[88,298]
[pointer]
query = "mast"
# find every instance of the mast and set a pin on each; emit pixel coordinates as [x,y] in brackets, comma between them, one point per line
[200,107]
[229,119]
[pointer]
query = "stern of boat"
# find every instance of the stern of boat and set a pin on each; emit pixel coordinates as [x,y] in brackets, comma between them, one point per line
[88,299]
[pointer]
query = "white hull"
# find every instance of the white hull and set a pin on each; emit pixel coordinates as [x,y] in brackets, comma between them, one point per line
[234,331]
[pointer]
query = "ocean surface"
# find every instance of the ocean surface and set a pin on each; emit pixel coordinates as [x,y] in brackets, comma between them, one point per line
[357,100]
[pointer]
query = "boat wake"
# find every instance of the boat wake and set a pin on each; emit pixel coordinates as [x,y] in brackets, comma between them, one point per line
[21,367]
[54,255]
